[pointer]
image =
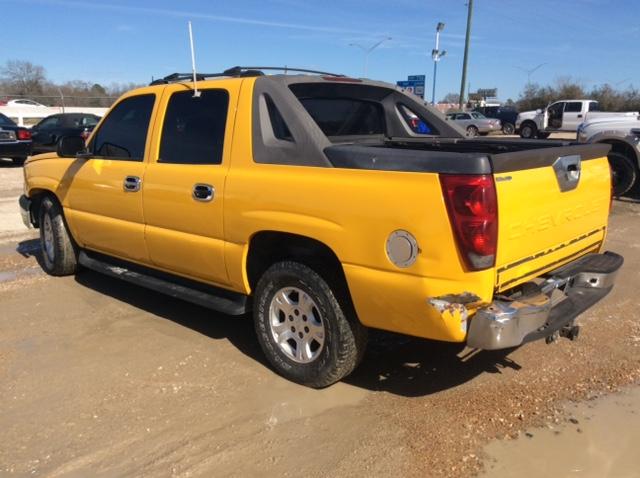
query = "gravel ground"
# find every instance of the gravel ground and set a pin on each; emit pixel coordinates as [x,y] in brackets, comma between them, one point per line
[98,377]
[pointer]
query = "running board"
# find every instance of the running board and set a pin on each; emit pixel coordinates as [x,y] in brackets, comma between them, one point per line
[227,302]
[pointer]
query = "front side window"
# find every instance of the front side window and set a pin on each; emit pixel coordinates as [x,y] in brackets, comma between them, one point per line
[193,129]
[123,133]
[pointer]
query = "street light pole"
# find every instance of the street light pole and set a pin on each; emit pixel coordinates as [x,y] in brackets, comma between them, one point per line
[436,54]
[367,51]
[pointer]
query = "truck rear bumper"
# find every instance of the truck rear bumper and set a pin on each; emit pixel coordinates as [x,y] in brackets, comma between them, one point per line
[557,301]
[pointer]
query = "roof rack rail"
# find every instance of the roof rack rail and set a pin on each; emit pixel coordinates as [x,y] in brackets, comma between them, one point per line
[237,71]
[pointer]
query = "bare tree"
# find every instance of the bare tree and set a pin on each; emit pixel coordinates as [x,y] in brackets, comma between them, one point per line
[23,77]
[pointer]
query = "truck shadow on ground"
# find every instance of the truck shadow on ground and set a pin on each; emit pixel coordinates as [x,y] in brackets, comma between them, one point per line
[415,367]
[393,363]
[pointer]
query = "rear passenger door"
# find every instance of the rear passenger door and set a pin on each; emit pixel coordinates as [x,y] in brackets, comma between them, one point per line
[572,115]
[184,182]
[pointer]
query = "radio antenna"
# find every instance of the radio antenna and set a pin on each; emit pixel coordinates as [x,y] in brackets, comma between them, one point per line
[196,93]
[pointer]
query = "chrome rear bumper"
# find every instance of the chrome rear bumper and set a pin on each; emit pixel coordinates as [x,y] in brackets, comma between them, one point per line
[556,302]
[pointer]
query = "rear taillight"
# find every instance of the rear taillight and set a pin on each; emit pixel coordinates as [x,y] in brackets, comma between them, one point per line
[473,211]
[23,134]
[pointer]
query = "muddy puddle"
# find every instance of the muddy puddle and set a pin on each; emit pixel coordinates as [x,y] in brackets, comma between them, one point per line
[599,440]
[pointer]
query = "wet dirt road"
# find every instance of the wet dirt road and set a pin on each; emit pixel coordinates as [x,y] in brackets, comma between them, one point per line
[101,378]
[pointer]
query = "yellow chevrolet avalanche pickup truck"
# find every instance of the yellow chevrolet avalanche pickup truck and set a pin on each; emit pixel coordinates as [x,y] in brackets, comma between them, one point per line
[328,205]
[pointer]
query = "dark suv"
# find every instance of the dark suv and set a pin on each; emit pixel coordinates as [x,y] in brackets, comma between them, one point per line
[15,141]
[506,114]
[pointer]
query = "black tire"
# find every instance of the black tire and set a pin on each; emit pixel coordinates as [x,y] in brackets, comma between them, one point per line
[542,135]
[528,130]
[344,337]
[623,173]
[472,131]
[18,161]
[59,254]
[508,128]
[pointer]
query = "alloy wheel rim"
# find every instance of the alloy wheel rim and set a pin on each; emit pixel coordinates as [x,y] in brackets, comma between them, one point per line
[296,324]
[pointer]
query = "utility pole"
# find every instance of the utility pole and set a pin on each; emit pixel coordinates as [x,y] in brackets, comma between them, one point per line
[367,51]
[436,54]
[466,51]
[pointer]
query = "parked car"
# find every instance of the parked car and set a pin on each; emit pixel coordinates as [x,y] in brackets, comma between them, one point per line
[22,103]
[48,131]
[475,123]
[562,116]
[319,203]
[506,114]
[623,134]
[15,141]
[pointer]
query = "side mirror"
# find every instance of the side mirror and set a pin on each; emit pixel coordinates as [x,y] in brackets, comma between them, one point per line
[71,147]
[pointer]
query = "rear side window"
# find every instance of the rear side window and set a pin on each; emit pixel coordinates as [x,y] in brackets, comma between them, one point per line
[193,129]
[345,116]
[573,107]
[416,123]
[278,124]
[5,121]
[123,133]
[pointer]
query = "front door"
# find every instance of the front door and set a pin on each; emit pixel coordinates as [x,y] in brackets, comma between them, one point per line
[184,182]
[104,196]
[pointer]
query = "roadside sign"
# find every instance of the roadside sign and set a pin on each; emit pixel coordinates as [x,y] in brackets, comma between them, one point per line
[413,84]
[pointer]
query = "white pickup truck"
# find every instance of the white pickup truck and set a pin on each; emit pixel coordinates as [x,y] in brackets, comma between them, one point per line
[623,134]
[562,116]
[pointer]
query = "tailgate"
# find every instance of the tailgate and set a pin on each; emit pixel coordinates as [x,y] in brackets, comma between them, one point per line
[553,205]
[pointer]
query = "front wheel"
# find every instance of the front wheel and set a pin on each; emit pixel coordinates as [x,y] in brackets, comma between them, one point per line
[528,131]
[623,173]
[58,250]
[508,128]
[472,131]
[307,335]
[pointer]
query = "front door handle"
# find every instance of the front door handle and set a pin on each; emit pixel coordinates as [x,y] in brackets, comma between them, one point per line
[131,184]
[203,192]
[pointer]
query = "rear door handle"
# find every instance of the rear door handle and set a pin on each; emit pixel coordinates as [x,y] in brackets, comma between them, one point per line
[203,192]
[131,184]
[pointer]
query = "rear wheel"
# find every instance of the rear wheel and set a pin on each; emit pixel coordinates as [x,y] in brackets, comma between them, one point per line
[528,131]
[472,131]
[58,250]
[307,335]
[508,128]
[623,172]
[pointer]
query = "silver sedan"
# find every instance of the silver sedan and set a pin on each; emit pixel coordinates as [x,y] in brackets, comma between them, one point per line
[475,123]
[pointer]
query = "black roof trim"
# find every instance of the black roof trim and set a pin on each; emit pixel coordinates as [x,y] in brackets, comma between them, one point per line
[237,71]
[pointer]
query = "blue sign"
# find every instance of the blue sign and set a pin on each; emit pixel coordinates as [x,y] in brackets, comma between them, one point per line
[413,84]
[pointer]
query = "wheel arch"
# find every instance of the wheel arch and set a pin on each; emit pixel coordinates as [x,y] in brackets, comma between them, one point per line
[265,248]
[622,146]
[36,195]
